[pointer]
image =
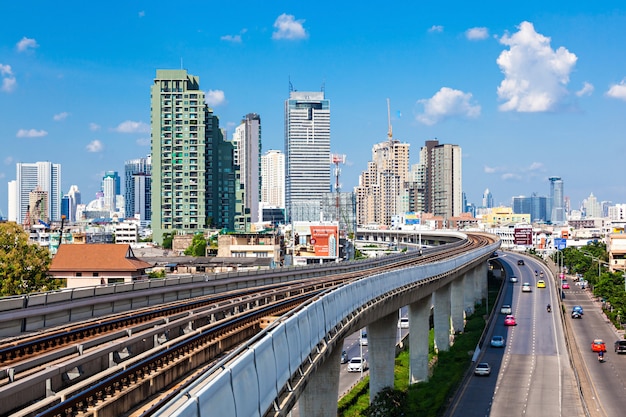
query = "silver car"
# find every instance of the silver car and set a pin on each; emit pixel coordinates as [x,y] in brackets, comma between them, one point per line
[506,309]
[482,369]
[357,364]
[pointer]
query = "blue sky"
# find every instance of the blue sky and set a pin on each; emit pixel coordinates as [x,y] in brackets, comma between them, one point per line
[530,90]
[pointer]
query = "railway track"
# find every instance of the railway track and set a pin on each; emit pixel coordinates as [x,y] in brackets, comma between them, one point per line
[155,349]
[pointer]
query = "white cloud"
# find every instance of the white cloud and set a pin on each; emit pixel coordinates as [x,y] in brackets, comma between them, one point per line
[587,90]
[143,141]
[60,116]
[30,133]
[447,103]
[287,27]
[26,43]
[8,79]
[536,166]
[489,170]
[95,146]
[617,91]
[129,126]
[231,38]
[215,98]
[94,126]
[435,29]
[510,176]
[477,34]
[535,75]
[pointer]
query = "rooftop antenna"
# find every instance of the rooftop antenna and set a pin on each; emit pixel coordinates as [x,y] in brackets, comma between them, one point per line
[290,85]
[390,131]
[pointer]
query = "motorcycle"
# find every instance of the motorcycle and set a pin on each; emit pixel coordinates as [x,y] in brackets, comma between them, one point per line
[601,357]
[549,309]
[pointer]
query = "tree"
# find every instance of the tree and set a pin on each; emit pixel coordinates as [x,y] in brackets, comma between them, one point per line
[198,246]
[23,266]
[388,403]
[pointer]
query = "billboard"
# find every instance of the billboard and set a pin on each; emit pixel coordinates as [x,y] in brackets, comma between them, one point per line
[411,218]
[523,236]
[314,239]
[559,243]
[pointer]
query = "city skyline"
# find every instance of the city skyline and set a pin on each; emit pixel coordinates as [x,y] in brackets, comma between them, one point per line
[76,94]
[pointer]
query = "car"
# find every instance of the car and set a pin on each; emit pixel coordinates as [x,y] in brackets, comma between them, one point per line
[513,278]
[344,357]
[482,369]
[620,346]
[541,284]
[520,262]
[598,345]
[357,364]
[526,287]
[565,286]
[497,341]
[403,323]
[576,315]
[578,309]
[510,321]
[363,339]
[506,309]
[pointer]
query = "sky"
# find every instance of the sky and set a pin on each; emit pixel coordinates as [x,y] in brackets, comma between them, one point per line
[528,90]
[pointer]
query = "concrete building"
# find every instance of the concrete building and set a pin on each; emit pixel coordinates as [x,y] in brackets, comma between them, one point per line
[44,176]
[557,201]
[138,188]
[193,176]
[536,206]
[273,179]
[247,154]
[307,153]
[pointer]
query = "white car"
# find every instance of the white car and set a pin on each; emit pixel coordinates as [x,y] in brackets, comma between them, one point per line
[357,364]
[506,309]
[403,323]
[513,279]
[482,369]
[526,287]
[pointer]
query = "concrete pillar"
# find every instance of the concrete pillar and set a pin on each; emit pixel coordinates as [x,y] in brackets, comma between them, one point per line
[468,292]
[478,291]
[319,398]
[419,316]
[442,318]
[483,271]
[381,348]
[457,304]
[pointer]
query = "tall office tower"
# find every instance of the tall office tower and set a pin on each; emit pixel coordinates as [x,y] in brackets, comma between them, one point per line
[383,187]
[193,176]
[73,199]
[137,188]
[592,207]
[12,200]
[487,199]
[557,209]
[536,206]
[273,178]
[307,154]
[247,143]
[41,176]
[443,188]
[111,189]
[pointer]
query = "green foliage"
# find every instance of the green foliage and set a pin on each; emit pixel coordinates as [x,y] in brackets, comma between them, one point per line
[197,247]
[168,238]
[23,266]
[387,403]
[157,274]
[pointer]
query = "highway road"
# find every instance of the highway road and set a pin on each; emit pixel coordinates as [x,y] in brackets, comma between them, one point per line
[608,379]
[531,375]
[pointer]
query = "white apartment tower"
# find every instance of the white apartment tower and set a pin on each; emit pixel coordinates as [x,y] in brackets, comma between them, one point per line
[247,152]
[45,177]
[307,154]
[273,178]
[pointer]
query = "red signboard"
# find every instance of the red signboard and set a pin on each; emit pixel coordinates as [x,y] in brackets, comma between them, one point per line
[523,236]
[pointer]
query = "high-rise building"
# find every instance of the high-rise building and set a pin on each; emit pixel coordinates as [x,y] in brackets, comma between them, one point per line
[557,208]
[111,189]
[193,176]
[487,199]
[443,187]
[592,207]
[383,185]
[307,154]
[137,188]
[70,201]
[247,154]
[45,177]
[536,206]
[273,178]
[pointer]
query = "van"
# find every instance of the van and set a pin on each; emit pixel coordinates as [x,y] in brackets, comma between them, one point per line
[620,346]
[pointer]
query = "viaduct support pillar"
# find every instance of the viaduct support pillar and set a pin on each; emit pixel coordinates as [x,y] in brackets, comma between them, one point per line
[457,304]
[469,300]
[442,318]
[319,398]
[419,328]
[382,353]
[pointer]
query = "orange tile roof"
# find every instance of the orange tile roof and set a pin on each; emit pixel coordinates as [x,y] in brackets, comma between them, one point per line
[96,257]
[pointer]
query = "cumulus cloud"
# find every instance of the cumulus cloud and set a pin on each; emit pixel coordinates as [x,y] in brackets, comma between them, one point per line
[587,90]
[30,133]
[535,166]
[95,146]
[435,29]
[477,34]
[8,79]
[617,91]
[231,38]
[535,75]
[489,170]
[130,126]
[447,103]
[215,98]
[26,44]
[508,176]
[60,116]
[94,126]
[287,27]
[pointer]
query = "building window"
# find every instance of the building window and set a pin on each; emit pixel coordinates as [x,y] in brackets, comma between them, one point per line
[95,274]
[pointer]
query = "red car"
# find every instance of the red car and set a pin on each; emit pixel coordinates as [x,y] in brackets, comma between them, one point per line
[598,345]
[510,321]
[565,286]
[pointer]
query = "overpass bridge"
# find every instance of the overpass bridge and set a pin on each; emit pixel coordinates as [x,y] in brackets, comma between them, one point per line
[297,358]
